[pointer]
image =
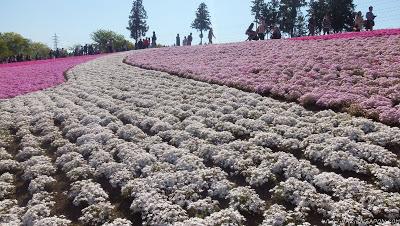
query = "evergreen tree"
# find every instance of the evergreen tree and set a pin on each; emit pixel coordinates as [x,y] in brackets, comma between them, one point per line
[300,26]
[137,20]
[290,12]
[271,13]
[202,22]
[318,8]
[256,9]
[342,14]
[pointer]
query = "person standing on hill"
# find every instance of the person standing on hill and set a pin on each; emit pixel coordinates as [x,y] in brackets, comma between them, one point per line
[184,42]
[178,40]
[358,22]
[210,36]
[370,23]
[189,40]
[326,24]
[154,40]
[261,29]
[312,24]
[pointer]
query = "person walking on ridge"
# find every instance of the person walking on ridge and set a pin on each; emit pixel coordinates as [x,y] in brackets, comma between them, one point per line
[261,29]
[210,36]
[178,40]
[184,42]
[312,24]
[154,40]
[370,23]
[189,40]
[326,24]
[358,22]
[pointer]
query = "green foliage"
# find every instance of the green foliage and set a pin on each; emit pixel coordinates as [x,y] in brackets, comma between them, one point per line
[342,14]
[16,43]
[318,8]
[271,13]
[257,8]
[12,44]
[38,49]
[202,22]
[102,37]
[4,52]
[137,20]
[290,10]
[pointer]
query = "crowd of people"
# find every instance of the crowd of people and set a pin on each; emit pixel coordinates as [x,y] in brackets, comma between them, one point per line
[87,49]
[147,42]
[187,41]
[261,31]
[359,24]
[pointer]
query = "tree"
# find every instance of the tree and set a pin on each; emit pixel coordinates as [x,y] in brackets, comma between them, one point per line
[318,8]
[256,9]
[300,26]
[202,22]
[4,52]
[15,43]
[102,37]
[342,14]
[37,49]
[137,20]
[271,13]
[290,12]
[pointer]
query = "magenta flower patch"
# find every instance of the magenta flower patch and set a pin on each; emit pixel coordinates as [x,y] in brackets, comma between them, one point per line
[25,77]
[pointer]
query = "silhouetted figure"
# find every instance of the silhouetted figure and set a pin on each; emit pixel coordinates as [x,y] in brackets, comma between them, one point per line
[358,22]
[178,40]
[190,39]
[154,40]
[184,42]
[326,24]
[57,53]
[252,35]
[261,29]
[276,33]
[210,36]
[85,49]
[312,25]
[370,23]
[140,44]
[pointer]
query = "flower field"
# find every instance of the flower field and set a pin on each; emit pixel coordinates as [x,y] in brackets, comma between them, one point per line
[353,72]
[25,77]
[117,145]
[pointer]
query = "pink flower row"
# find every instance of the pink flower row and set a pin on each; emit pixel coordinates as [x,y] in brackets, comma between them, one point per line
[364,34]
[25,77]
[358,75]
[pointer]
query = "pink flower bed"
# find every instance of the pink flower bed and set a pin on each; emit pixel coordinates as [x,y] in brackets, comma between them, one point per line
[365,34]
[26,77]
[357,75]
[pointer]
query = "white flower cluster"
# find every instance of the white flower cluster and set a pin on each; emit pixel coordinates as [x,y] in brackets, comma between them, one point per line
[189,153]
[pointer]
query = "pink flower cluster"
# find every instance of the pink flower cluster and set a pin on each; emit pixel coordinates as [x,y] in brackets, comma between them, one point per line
[26,77]
[365,34]
[357,75]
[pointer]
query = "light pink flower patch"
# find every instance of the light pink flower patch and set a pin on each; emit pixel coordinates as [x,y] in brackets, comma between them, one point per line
[25,77]
[350,71]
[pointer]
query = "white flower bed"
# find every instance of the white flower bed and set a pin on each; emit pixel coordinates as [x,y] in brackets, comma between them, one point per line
[188,153]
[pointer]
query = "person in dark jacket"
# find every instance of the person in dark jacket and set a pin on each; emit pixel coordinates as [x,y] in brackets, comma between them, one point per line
[252,35]
[178,40]
[276,33]
[370,22]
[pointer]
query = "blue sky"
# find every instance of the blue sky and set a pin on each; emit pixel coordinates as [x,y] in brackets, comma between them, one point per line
[74,20]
